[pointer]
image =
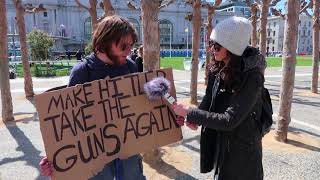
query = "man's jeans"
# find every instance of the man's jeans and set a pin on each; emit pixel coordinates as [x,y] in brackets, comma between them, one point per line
[130,168]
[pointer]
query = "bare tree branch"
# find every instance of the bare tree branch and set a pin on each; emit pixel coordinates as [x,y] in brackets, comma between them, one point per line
[40,8]
[165,3]
[308,14]
[17,4]
[217,3]
[81,5]
[132,6]
[276,12]
[248,3]
[189,2]
[258,2]
[188,17]
[305,6]
[206,5]
[274,2]
[107,7]
[211,6]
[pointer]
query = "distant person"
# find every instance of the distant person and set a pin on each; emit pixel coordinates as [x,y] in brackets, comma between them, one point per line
[79,55]
[134,54]
[68,53]
[139,59]
[63,30]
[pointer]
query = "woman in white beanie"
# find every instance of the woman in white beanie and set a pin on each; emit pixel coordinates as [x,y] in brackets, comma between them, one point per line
[231,135]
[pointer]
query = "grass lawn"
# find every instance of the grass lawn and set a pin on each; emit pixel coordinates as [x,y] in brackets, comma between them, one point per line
[177,62]
[174,62]
[61,68]
[55,69]
[301,61]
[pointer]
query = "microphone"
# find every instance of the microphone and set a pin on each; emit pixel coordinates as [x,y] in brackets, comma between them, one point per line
[160,87]
[157,88]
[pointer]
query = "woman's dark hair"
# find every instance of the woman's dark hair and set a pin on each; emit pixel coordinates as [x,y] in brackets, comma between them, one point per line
[111,29]
[232,73]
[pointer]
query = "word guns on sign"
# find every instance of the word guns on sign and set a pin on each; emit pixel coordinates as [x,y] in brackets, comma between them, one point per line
[86,126]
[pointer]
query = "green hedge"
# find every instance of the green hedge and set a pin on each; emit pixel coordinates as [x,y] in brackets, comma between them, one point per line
[42,70]
[62,72]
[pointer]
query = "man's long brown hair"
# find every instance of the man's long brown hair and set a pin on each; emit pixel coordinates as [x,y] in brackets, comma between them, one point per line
[109,30]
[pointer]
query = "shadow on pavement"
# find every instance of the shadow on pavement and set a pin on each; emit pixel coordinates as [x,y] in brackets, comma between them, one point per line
[302,145]
[168,170]
[294,129]
[31,155]
[191,147]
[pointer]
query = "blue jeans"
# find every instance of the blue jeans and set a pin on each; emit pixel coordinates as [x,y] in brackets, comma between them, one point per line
[130,168]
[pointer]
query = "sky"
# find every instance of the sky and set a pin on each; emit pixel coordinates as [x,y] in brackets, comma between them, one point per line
[280,5]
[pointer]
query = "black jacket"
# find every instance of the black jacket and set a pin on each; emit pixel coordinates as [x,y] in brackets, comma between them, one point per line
[230,136]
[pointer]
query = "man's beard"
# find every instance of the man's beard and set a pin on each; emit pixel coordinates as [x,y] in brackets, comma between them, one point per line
[115,59]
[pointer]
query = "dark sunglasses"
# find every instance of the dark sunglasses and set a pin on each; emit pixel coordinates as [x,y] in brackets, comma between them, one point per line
[125,46]
[216,46]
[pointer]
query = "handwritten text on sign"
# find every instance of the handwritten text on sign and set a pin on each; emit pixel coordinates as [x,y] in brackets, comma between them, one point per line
[86,126]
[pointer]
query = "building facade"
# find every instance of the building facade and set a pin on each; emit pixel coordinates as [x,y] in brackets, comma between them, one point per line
[275,35]
[238,7]
[70,25]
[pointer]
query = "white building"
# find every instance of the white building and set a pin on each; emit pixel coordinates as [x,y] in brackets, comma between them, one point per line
[238,7]
[71,26]
[275,35]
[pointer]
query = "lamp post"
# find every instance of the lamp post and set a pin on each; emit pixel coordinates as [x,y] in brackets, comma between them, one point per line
[170,39]
[13,41]
[186,31]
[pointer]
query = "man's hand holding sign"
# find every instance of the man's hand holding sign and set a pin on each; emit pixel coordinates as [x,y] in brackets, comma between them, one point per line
[86,126]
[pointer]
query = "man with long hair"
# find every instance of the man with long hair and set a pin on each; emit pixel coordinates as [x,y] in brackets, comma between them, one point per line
[111,44]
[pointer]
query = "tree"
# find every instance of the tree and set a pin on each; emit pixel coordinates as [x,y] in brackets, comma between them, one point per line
[20,12]
[151,32]
[315,4]
[264,9]
[195,17]
[40,43]
[254,8]
[107,8]
[6,99]
[151,45]
[211,8]
[92,9]
[315,51]
[288,69]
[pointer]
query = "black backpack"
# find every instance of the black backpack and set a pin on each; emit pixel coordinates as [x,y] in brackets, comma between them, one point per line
[265,122]
[266,113]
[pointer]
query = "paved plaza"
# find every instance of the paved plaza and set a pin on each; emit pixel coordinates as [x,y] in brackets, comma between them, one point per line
[21,146]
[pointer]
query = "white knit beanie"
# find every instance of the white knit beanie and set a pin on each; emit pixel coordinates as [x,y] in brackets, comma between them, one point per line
[233,34]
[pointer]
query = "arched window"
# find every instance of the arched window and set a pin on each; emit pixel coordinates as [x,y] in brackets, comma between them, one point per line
[166,30]
[136,25]
[87,26]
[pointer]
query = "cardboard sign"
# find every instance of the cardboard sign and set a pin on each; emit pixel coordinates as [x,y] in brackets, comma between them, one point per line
[86,126]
